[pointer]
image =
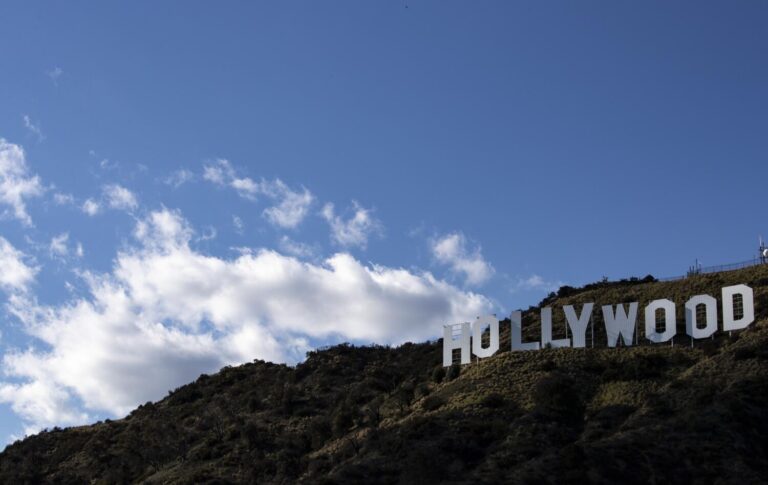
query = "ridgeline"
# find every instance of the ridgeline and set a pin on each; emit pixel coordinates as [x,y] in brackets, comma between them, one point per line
[650,413]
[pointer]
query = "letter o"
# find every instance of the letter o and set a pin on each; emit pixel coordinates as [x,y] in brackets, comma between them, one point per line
[691,324]
[650,321]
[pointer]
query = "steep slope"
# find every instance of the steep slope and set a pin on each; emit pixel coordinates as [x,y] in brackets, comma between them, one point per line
[649,413]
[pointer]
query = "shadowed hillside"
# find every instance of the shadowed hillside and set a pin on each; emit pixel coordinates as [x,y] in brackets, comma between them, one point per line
[653,413]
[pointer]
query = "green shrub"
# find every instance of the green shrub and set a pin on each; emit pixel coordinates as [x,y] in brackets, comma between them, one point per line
[342,420]
[438,374]
[453,372]
[556,395]
[493,400]
[433,402]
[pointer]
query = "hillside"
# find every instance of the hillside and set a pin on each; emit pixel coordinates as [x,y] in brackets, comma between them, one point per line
[644,414]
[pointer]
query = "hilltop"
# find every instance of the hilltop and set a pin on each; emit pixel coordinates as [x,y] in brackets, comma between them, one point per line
[651,413]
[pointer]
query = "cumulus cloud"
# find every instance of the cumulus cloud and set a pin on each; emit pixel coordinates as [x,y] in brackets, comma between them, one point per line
[16,274]
[163,230]
[113,196]
[246,187]
[41,404]
[16,183]
[166,313]
[354,231]
[451,250]
[292,206]
[120,198]
[218,172]
[91,207]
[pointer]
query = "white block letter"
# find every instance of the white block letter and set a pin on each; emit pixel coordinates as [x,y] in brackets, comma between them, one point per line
[621,324]
[517,333]
[578,325]
[460,343]
[477,334]
[670,325]
[747,298]
[546,331]
[691,324]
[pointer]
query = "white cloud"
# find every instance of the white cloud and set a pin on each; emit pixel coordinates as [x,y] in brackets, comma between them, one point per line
[63,199]
[79,252]
[220,172]
[166,313]
[113,196]
[58,247]
[16,184]
[41,404]
[209,234]
[179,178]
[106,164]
[354,231]
[16,275]
[55,74]
[536,282]
[295,248]
[91,207]
[245,187]
[163,230]
[238,223]
[292,207]
[242,250]
[33,128]
[120,198]
[451,250]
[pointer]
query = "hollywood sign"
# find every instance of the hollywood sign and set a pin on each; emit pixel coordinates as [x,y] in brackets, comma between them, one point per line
[618,324]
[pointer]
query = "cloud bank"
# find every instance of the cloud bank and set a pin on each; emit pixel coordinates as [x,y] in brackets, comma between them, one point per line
[166,313]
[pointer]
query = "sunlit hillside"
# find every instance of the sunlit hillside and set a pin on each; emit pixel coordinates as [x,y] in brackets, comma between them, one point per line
[651,413]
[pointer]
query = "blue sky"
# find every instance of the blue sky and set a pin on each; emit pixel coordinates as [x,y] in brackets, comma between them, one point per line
[186,185]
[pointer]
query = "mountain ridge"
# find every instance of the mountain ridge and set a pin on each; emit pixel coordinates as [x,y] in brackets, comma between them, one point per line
[638,414]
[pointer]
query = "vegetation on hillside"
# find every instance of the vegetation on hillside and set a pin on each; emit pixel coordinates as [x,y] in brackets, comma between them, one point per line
[644,414]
